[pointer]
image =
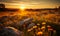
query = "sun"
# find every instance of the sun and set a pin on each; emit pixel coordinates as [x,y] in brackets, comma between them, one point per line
[22,7]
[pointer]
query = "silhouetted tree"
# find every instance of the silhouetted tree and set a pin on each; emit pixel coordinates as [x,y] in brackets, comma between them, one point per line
[2,5]
[59,7]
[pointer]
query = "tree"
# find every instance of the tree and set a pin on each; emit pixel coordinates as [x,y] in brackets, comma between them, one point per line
[2,5]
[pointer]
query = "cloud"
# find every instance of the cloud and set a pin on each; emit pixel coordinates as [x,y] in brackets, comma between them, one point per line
[8,1]
[31,2]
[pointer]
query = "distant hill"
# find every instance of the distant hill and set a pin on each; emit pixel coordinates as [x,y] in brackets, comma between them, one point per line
[8,9]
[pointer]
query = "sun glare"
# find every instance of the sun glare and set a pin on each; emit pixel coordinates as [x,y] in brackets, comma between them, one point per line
[22,7]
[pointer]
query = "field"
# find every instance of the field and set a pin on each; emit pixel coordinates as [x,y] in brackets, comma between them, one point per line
[16,18]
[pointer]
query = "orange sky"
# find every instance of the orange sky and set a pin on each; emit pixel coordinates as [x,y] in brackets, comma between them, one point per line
[31,3]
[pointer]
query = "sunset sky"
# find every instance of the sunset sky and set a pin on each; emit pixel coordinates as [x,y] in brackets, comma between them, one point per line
[31,3]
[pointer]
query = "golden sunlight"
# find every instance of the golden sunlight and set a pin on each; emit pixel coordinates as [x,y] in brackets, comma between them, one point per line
[22,7]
